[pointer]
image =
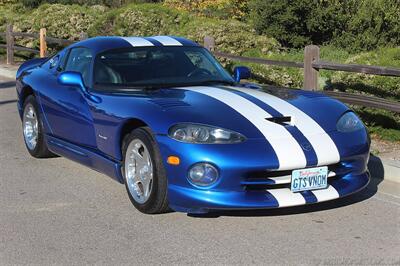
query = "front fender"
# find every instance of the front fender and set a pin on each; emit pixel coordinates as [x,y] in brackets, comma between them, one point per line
[30,64]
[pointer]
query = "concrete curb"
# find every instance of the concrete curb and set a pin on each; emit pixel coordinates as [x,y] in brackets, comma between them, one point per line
[379,168]
[8,71]
[384,169]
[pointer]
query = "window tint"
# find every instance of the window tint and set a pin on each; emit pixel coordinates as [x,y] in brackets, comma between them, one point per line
[197,58]
[154,66]
[79,60]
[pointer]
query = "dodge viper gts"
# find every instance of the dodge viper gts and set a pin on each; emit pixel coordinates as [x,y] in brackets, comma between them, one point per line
[162,116]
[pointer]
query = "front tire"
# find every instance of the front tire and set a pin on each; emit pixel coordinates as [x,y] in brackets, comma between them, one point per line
[32,127]
[144,173]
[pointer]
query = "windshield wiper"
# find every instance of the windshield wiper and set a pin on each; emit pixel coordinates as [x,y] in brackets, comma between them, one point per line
[218,81]
[152,87]
[198,83]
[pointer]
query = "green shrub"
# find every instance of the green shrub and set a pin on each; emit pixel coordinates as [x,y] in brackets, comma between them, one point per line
[352,24]
[225,9]
[376,23]
[31,3]
[64,21]
[296,23]
[110,3]
[140,20]
[14,14]
[61,21]
[381,86]
[230,36]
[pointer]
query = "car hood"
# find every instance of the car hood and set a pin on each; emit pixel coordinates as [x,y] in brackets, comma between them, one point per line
[297,126]
[239,108]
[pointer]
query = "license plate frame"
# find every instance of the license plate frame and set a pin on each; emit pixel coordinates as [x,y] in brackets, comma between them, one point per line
[309,179]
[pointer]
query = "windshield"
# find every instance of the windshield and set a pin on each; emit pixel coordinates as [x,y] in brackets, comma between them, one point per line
[157,67]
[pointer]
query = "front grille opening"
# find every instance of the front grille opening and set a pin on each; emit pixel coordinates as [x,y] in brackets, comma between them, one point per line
[268,174]
[265,187]
[271,174]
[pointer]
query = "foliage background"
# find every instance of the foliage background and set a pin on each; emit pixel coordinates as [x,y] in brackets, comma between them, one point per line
[348,31]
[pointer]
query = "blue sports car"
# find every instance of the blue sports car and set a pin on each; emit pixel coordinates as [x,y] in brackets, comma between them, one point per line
[162,116]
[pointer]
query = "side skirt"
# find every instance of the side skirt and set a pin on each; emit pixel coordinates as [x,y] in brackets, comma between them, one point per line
[85,157]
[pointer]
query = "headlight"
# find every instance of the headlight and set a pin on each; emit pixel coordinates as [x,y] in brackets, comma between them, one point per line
[194,133]
[349,122]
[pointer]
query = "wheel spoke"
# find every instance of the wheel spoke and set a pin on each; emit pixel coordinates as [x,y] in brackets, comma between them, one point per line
[147,187]
[30,127]
[139,171]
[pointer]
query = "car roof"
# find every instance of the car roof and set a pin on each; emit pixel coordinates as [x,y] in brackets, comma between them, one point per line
[100,44]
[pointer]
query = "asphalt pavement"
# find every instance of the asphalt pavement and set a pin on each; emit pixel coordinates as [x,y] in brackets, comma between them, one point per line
[55,211]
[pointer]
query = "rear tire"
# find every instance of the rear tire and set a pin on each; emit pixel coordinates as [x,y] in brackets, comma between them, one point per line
[32,127]
[144,173]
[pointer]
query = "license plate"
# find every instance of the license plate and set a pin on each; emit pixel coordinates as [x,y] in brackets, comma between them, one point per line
[309,179]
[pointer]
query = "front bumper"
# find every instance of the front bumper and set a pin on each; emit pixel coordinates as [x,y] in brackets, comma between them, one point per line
[239,163]
[200,201]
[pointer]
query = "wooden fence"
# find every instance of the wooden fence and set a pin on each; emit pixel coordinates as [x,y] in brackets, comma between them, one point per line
[311,65]
[10,46]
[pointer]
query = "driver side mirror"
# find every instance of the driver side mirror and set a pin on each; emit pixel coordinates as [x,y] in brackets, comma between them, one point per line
[71,78]
[241,72]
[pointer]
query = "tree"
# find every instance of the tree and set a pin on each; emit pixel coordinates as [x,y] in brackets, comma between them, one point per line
[352,24]
[296,23]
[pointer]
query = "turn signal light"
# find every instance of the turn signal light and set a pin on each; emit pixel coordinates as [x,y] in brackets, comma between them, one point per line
[173,160]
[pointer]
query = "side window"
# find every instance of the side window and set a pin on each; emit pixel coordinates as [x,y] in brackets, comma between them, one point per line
[62,60]
[54,61]
[79,61]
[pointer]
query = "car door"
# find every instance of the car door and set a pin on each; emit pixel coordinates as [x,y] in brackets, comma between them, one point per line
[66,107]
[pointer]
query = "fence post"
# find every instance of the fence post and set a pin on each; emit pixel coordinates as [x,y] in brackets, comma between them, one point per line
[209,43]
[311,54]
[43,44]
[10,44]
[83,36]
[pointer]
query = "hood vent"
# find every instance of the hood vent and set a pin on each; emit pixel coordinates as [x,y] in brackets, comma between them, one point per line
[169,103]
[283,120]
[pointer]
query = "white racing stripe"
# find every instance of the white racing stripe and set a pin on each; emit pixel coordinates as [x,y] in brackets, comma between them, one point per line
[328,193]
[167,41]
[137,41]
[325,148]
[287,198]
[288,151]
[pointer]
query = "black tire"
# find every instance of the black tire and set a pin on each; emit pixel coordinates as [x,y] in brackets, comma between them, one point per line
[158,198]
[40,150]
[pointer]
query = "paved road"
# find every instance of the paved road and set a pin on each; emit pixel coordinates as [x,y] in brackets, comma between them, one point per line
[55,211]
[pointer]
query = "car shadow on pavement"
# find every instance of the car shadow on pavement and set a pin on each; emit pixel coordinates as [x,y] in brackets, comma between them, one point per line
[7,85]
[377,174]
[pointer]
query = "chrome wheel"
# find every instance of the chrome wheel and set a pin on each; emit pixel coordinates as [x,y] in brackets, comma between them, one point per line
[30,127]
[138,171]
